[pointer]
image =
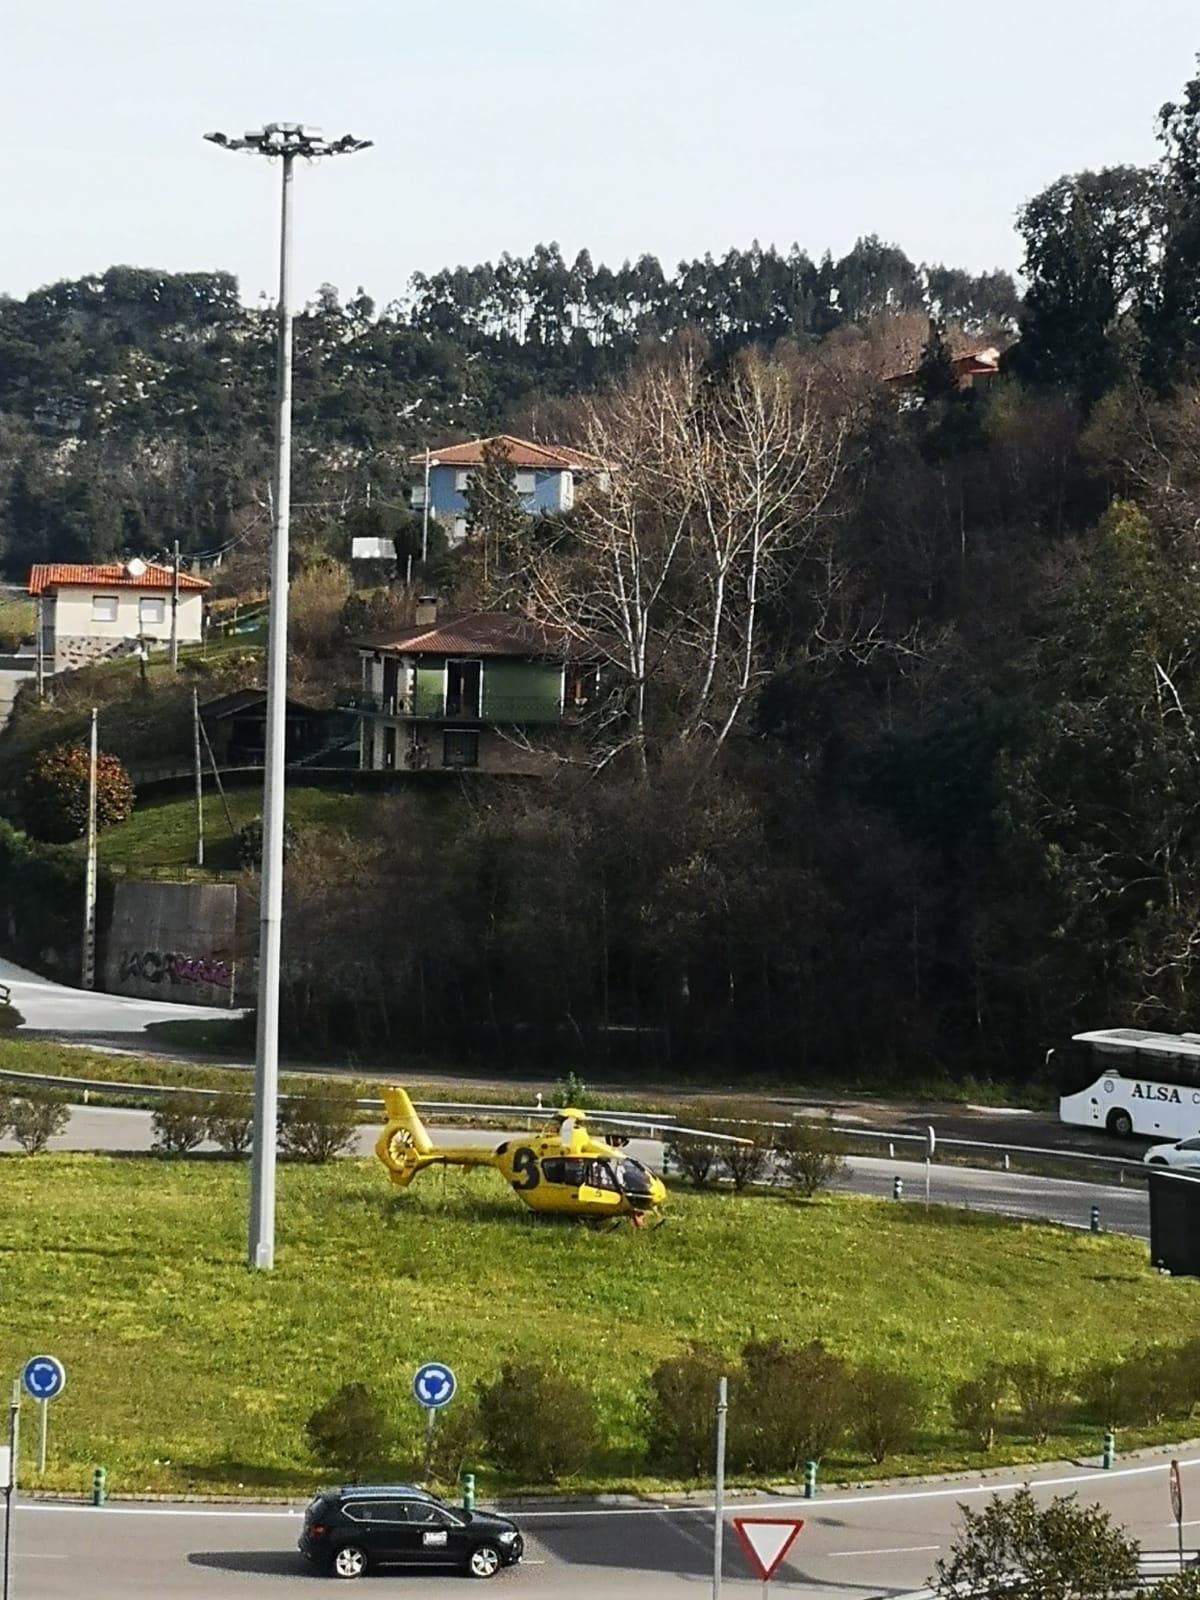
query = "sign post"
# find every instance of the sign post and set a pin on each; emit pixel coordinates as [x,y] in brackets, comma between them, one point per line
[765,1542]
[44,1378]
[719,1488]
[930,1147]
[1177,1507]
[10,1477]
[433,1386]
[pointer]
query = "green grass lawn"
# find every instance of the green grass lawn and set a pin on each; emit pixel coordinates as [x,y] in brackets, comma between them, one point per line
[163,833]
[186,1371]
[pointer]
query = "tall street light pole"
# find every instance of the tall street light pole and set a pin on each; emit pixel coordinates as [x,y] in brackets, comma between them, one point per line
[282,141]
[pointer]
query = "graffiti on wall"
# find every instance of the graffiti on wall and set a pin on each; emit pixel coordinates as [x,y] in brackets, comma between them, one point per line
[170,966]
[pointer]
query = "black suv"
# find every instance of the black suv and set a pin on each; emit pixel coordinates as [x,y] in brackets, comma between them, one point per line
[348,1531]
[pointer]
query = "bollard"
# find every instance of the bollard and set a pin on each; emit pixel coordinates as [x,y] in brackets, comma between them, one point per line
[99,1489]
[897,1188]
[810,1479]
[1095,1219]
[1007,1162]
[891,1152]
[1110,1449]
[468,1491]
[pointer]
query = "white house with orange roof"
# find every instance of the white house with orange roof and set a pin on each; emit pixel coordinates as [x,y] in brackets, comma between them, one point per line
[91,613]
[545,476]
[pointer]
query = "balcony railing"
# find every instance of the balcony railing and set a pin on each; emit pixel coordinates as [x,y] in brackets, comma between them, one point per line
[495,708]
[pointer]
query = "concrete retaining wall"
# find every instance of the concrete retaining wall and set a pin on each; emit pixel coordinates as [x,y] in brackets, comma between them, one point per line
[173,941]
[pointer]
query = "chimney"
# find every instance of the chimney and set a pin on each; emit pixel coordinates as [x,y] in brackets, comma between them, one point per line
[427,609]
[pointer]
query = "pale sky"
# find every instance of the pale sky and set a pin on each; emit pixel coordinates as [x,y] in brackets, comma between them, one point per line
[673,127]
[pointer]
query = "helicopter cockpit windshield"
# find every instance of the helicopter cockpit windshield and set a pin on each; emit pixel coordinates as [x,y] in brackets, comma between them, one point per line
[633,1179]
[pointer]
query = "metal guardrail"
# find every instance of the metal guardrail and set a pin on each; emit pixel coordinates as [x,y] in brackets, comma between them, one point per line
[654,1123]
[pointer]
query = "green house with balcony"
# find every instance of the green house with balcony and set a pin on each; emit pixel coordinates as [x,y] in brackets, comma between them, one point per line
[485,691]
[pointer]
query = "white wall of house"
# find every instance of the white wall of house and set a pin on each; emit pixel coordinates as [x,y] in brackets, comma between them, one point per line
[122,612]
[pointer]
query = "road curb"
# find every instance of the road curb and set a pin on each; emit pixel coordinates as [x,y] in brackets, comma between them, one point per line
[672,1499]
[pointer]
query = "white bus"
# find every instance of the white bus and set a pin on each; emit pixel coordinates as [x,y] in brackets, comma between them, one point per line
[1129,1081]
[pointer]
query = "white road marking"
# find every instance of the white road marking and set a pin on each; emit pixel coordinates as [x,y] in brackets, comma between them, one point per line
[896,1550]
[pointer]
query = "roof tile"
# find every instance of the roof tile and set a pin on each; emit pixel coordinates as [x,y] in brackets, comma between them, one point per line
[64,574]
[521,453]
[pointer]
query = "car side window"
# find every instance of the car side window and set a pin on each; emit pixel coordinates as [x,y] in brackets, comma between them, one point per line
[429,1515]
[363,1511]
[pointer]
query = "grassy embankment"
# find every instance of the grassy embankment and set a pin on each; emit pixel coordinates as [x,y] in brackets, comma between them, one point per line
[162,834]
[189,1373]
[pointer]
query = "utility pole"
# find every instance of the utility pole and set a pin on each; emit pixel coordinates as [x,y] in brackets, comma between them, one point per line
[41,668]
[284,141]
[199,778]
[88,976]
[10,1477]
[175,611]
[719,1496]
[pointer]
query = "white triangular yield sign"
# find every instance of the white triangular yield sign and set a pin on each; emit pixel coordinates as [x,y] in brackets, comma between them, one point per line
[766,1540]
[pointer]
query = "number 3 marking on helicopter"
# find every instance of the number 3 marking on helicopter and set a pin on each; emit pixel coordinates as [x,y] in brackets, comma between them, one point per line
[525,1162]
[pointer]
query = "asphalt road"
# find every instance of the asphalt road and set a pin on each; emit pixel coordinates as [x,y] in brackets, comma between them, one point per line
[50,1007]
[880,1541]
[1122,1210]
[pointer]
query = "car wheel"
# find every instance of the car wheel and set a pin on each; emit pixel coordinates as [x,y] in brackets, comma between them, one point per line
[1157,1161]
[484,1561]
[349,1562]
[1120,1123]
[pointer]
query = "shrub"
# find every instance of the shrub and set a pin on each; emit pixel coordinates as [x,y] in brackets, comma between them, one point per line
[571,1091]
[56,793]
[250,844]
[1139,1389]
[230,1122]
[680,1409]
[1042,1394]
[537,1422]
[887,1408]
[810,1156]
[975,1405]
[180,1124]
[10,1018]
[36,1118]
[1058,1549]
[349,1432]
[315,600]
[750,1162]
[320,1124]
[457,1436]
[790,1405]
[697,1158]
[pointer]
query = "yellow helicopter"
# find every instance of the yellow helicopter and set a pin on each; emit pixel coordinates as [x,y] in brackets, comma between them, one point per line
[561,1170]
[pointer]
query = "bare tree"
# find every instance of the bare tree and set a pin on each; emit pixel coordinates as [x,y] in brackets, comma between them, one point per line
[713,497]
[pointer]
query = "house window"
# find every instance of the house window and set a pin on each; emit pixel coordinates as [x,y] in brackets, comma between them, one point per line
[524,482]
[460,748]
[462,480]
[460,530]
[152,612]
[581,686]
[104,608]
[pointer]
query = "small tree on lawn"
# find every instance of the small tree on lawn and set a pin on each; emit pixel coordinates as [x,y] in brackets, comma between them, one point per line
[180,1124]
[810,1157]
[1042,1393]
[56,793]
[349,1431]
[887,1408]
[975,1405]
[36,1118]
[750,1162]
[230,1122]
[320,1124]
[1015,1549]
[537,1423]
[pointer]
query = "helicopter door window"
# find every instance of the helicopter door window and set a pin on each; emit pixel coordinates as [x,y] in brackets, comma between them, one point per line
[600,1176]
[570,1171]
